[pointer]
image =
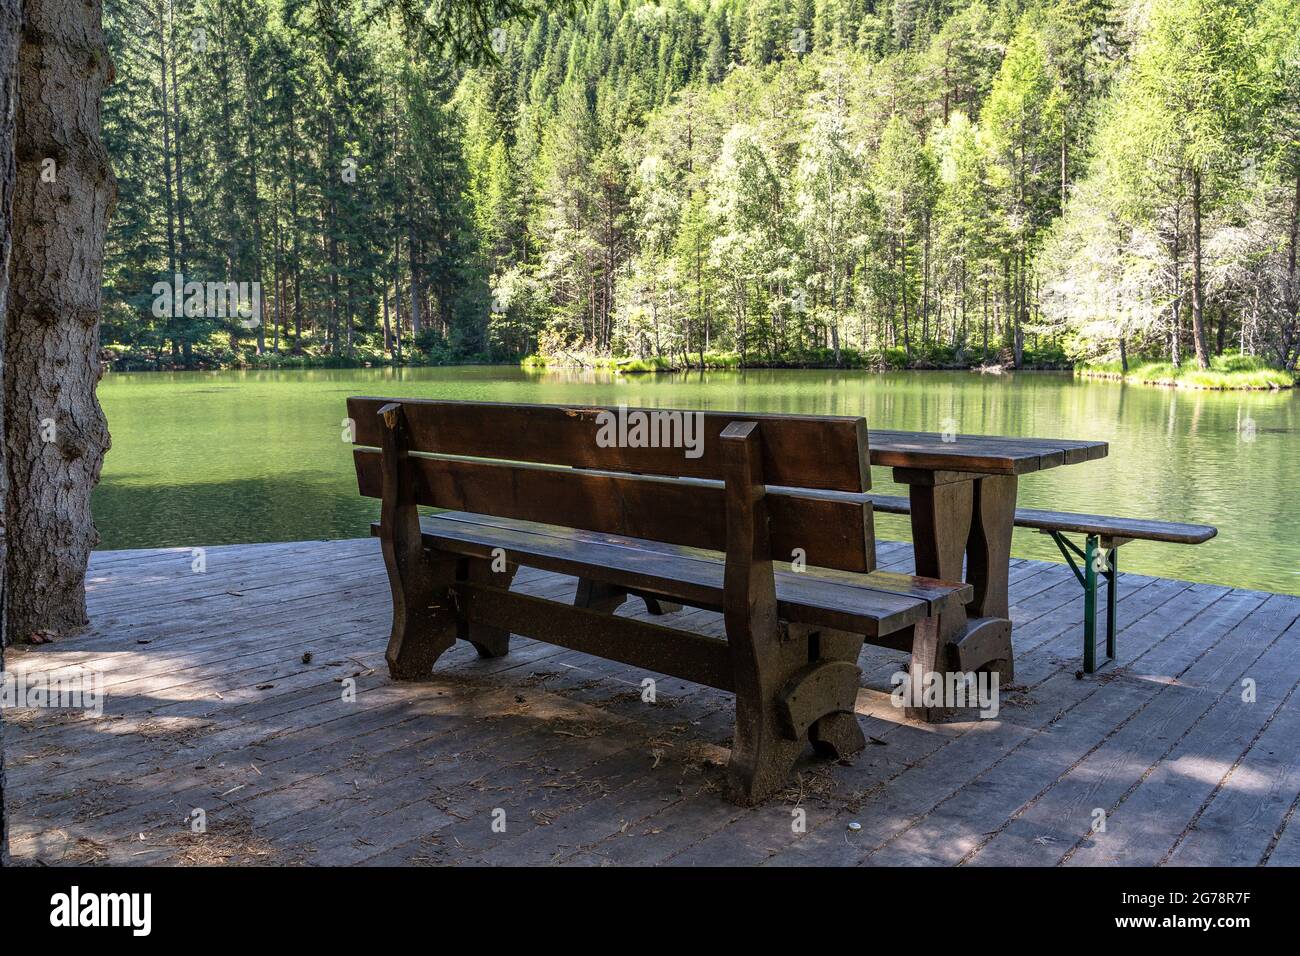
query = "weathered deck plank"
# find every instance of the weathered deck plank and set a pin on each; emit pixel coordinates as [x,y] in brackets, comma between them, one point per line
[224,692]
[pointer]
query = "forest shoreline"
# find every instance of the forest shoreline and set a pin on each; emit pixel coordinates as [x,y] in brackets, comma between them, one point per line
[1230,371]
[1260,380]
[295,364]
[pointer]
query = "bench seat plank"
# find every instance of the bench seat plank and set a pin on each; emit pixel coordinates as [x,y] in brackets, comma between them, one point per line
[869,604]
[941,595]
[1105,525]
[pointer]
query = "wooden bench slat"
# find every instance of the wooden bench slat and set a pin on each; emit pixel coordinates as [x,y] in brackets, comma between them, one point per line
[941,595]
[1116,527]
[800,451]
[807,598]
[834,531]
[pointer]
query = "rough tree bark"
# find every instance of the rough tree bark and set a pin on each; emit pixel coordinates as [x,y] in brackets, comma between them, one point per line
[10,22]
[55,433]
[1198,280]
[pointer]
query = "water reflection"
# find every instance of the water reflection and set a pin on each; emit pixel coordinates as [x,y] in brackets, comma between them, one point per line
[228,457]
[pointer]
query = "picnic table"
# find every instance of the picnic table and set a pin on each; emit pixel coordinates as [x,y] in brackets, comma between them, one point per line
[962,491]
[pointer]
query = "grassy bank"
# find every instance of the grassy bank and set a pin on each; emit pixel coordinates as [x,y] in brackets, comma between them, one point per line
[1226,372]
[883,360]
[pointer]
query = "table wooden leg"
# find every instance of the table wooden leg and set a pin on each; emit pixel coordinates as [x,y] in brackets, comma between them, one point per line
[986,645]
[941,518]
[956,516]
[988,550]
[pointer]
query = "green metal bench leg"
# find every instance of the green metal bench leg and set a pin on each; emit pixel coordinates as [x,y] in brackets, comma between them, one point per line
[1087,577]
[1090,605]
[1112,593]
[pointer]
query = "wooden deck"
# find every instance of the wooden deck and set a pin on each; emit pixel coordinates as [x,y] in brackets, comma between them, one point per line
[225,693]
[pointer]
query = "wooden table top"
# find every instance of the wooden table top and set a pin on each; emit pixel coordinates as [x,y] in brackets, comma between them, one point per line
[980,454]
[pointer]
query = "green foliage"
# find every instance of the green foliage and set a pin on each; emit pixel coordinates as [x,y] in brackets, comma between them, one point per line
[681,183]
[1231,370]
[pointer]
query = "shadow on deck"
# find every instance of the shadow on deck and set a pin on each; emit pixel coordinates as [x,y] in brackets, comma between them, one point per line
[226,694]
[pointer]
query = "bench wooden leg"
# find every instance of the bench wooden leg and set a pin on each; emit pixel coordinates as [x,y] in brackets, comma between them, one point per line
[424,619]
[802,690]
[658,607]
[487,640]
[838,735]
[425,622]
[983,645]
[600,596]
[763,748]
[764,655]
[792,684]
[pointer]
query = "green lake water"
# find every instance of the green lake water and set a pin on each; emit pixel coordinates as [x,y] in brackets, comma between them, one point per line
[234,457]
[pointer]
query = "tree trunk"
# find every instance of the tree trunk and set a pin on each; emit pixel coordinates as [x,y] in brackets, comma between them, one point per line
[1018,331]
[295,233]
[925,287]
[182,244]
[1198,282]
[388,332]
[251,99]
[907,337]
[1292,324]
[1065,158]
[415,287]
[166,149]
[1292,286]
[985,360]
[10,21]
[1175,307]
[55,431]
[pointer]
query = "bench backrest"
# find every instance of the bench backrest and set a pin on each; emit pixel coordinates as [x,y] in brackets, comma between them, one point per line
[646,473]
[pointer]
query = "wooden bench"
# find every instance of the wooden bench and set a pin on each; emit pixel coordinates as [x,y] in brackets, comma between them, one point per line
[1103,536]
[533,485]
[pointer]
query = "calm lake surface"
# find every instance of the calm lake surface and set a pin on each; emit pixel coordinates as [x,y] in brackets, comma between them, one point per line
[206,458]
